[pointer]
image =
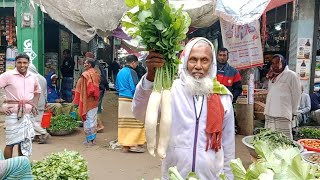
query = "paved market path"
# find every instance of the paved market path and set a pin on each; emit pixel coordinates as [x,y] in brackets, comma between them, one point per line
[106,164]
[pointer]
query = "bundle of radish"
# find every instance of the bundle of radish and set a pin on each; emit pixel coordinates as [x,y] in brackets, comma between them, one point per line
[161,28]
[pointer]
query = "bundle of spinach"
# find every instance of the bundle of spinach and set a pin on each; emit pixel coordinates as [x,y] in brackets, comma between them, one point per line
[273,138]
[61,166]
[62,122]
[309,133]
[275,163]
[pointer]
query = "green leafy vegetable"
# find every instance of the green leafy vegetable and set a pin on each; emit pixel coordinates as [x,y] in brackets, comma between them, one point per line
[280,163]
[273,138]
[66,165]
[237,169]
[174,174]
[309,133]
[162,28]
[192,176]
[62,122]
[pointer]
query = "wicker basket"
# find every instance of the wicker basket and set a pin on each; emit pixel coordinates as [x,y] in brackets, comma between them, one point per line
[61,132]
[261,95]
[259,106]
[259,116]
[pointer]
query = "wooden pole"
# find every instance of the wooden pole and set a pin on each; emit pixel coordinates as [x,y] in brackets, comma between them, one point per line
[244,112]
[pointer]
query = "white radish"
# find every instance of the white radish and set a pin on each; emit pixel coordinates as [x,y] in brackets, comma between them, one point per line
[152,120]
[165,123]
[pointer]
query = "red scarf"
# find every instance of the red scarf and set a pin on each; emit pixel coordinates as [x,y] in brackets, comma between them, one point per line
[215,116]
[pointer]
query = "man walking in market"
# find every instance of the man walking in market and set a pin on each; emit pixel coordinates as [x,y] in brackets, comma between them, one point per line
[22,91]
[103,86]
[131,133]
[228,75]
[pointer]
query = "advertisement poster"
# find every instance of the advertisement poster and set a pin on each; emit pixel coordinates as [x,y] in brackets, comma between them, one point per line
[10,64]
[304,58]
[243,98]
[243,43]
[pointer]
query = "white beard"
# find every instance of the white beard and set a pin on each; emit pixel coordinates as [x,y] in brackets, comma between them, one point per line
[198,87]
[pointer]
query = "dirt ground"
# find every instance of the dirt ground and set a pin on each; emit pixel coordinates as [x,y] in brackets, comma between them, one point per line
[104,163]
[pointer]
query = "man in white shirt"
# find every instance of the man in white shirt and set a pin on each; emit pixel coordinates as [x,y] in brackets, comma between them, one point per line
[284,92]
[192,146]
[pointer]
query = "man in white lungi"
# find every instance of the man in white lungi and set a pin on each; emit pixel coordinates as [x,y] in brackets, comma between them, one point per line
[284,93]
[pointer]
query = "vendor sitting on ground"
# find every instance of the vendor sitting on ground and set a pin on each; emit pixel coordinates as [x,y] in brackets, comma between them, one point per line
[55,103]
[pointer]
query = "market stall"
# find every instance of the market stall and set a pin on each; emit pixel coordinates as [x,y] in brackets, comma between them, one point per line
[8,39]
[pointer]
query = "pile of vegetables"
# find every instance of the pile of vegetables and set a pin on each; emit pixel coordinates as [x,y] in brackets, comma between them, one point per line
[311,144]
[61,166]
[63,123]
[309,133]
[160,28]
[275,164]
[175,175]
[273,138]
[314,158]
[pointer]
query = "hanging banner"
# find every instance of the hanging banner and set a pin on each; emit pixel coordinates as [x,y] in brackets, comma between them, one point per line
[303,65]
[243,43]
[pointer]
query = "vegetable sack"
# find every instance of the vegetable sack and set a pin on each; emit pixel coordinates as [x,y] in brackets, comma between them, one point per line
[160,28]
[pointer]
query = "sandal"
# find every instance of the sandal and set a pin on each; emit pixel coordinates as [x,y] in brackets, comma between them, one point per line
[137,149]
[91,143]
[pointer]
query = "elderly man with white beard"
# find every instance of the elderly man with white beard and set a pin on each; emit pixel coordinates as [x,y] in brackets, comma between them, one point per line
[202,133]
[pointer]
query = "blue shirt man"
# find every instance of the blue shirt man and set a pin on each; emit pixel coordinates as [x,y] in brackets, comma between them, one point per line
[315,101]
[127,78]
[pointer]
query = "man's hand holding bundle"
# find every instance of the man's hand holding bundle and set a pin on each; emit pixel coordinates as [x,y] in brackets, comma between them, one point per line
[154,60]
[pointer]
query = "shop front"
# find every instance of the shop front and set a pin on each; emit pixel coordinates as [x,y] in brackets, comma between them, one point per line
[21,30]
[8,38]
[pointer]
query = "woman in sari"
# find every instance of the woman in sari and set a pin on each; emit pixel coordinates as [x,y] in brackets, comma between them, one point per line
[87,98]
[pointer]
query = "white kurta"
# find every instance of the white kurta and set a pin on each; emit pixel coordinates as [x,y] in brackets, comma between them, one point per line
[208,165]
[283,95]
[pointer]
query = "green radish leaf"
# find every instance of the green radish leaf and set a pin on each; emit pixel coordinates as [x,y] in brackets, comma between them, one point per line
[159,25]
[237,169]
[143,15]
[138,2]
[130,3]
[153,39]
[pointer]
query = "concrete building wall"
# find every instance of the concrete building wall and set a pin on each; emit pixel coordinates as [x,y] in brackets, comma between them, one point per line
[302,26]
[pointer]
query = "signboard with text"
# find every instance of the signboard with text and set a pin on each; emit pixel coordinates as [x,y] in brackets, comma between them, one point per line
[243,43]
